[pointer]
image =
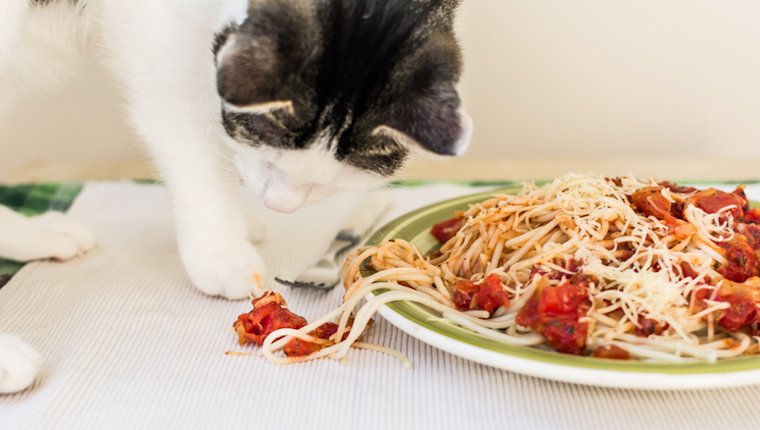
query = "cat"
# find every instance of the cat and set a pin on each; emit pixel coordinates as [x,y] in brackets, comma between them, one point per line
[300,98]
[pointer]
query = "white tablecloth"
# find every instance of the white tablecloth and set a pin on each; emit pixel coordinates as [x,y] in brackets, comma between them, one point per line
[130,344]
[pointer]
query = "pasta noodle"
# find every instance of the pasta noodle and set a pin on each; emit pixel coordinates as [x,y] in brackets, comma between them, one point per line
[611,267]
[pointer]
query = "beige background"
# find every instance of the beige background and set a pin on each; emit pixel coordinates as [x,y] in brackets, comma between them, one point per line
[579,79]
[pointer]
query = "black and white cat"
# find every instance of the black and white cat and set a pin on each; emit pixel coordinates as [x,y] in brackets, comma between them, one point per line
[304,98]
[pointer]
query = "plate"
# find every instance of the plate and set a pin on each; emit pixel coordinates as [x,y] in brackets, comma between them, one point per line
[419,321]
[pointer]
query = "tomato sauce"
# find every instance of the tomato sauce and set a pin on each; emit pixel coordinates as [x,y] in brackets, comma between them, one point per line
[742,261]
[612,352]
[445,230]
[742,311]
[297,347]
[651,202]
[713,201]
[269,314]
[486,295]
[648,326]
[555,313]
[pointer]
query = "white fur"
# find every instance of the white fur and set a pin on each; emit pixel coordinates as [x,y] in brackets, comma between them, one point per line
[19,364]
[287,180]
[51,235]
[160,53]
[464,140]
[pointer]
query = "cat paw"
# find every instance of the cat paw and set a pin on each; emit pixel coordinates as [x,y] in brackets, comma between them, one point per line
[51,235]
[234,270]
[71,235]
[19,364]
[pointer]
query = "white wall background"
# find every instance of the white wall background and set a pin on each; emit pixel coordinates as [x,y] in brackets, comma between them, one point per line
[611,78]
[554,78]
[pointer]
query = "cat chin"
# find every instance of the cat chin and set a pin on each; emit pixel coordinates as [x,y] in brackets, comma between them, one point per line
[287,180]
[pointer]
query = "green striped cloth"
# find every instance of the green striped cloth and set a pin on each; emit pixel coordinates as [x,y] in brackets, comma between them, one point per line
[30,200]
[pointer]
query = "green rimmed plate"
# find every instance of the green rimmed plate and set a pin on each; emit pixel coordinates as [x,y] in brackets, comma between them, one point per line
[420,322]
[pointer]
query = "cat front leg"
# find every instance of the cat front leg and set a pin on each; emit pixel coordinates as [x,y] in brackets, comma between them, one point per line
[183,133]
[214,238]
[11,23]
[19,364]
[166,64]
[12,18]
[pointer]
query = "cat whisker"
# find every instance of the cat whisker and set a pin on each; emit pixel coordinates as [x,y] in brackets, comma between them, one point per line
[234,183]
[413,175]
[220,152]
[228,169]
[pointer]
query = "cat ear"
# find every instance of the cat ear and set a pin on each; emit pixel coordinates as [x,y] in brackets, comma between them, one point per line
[259,64]
[446,137]
[434,119]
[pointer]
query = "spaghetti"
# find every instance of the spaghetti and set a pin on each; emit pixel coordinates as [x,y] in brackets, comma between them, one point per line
[587,265]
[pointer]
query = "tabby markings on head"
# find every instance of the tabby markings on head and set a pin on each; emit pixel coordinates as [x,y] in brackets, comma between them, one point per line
[367,81]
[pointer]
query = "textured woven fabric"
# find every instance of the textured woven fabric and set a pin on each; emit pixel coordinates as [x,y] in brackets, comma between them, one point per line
[129,343]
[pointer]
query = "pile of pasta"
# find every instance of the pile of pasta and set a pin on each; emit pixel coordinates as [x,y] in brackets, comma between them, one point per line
[615,268]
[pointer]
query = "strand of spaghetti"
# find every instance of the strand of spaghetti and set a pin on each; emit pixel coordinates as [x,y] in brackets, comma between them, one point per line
[344,310]
[433,293]
[548,216]
[461,245]
[372,305]
[277,344]
[646,352]
[546,256]
[363,288]
[496,256]
[441,288]
[493,237]
[469,255]
[388,351]
[600,317]
[539,233]
[524,295]
[695,351]
[524,340]
[709,250]
[691,214]
[499,323]
[413,274]
[711,309]
[356,258]
[522,239]
[268,350]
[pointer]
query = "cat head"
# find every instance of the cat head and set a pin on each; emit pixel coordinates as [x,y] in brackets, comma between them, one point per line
[321,96]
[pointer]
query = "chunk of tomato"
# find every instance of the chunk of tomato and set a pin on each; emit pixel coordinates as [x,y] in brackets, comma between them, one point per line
[612,352]
[268,315]
[487,294]
[741,311]
[445,230]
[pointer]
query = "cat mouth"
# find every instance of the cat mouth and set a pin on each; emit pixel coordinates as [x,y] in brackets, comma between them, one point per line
[285,203]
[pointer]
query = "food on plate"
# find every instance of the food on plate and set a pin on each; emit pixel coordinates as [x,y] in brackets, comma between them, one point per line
[614,268]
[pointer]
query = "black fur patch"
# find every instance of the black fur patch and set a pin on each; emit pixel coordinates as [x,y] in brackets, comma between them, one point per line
[347,66]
